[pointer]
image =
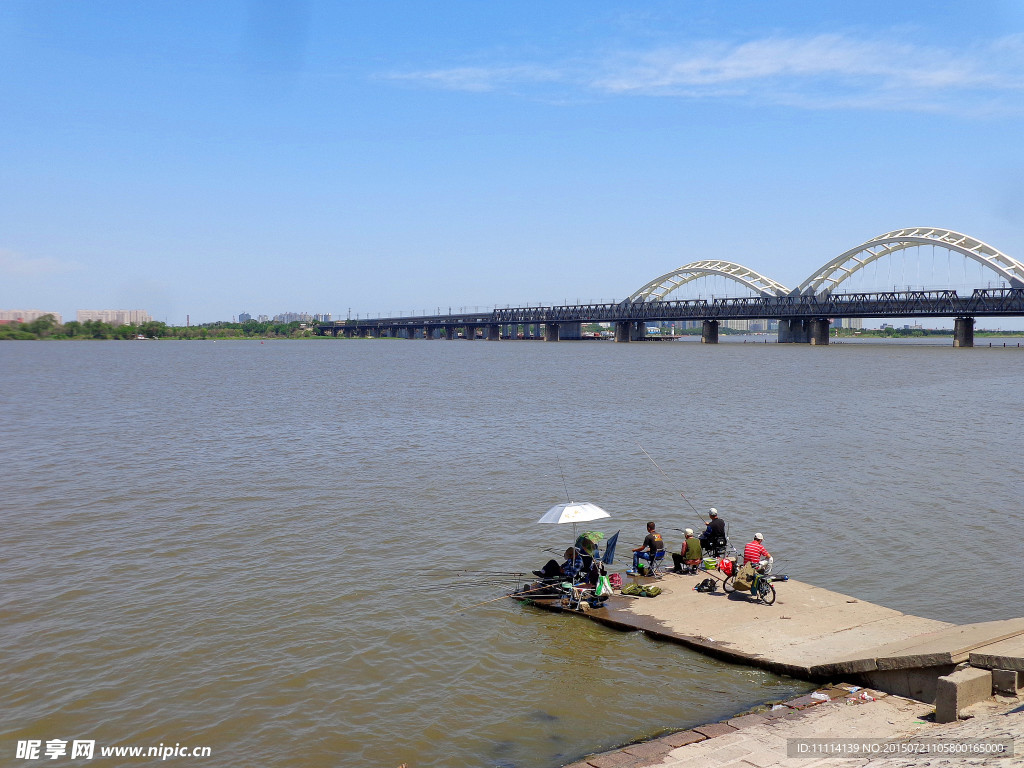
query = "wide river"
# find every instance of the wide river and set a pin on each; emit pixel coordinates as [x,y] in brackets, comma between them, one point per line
[250,546]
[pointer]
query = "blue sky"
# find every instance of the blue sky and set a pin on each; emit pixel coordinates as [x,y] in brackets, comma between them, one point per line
[212,158]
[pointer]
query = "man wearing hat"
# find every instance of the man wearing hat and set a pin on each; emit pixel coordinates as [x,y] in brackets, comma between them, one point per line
[714,531]
[755,552]
[689,554]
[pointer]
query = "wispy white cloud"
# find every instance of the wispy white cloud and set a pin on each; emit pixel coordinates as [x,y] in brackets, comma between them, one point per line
[822,71]
[480,78]
[16,265]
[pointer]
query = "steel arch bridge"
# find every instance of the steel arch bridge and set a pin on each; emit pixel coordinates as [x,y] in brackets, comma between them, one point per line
[660,287]
[825,280]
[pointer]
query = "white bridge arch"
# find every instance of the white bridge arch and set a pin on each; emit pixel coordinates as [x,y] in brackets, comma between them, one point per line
[658,288]
[825,280]
[828,277]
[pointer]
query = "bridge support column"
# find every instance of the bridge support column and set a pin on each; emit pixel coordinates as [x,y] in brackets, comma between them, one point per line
[639,331]
[550,331]
[819,327]
[570,331]
[469,332]
[799,331]
[493,332]
[963,332]
[795,331]
[623,330]
[709,332]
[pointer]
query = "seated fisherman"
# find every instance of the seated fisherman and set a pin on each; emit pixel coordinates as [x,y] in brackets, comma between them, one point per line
[652,543]
[586,543]
[568,570]
[755,552]
[689,556]
[714,531]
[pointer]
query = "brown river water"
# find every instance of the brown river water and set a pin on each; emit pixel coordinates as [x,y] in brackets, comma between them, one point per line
[250,546]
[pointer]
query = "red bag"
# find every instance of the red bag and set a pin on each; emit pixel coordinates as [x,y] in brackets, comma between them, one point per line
[615,580]
[725,566]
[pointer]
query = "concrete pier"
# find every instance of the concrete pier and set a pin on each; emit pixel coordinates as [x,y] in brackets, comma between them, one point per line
[963,332]
[818,331]
[551,332]
[810,633]
[709,332]
[794,331]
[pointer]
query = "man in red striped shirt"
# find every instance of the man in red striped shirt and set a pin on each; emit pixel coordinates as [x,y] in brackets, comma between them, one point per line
[755,552]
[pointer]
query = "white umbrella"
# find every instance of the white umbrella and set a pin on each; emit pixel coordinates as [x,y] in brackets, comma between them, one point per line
[573,512]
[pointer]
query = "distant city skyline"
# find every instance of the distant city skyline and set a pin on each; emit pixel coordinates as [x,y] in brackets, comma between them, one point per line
[364,158]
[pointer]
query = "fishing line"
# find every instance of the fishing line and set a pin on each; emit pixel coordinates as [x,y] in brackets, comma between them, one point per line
[566,487]
[669,479]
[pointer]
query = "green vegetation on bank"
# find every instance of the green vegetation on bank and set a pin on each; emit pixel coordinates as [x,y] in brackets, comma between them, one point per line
[47,327]
[905,333]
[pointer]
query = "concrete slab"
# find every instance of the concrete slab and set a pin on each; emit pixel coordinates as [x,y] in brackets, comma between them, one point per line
[950,644]
[813,633]
[1006,681]
[960,690]
[806,627]
[1005,654]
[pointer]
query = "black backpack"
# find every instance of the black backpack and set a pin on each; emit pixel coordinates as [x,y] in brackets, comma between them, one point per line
[708,585]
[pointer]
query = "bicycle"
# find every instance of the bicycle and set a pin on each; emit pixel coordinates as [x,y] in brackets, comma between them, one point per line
[762,588]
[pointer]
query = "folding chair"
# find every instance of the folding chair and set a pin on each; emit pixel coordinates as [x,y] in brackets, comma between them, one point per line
[657,564]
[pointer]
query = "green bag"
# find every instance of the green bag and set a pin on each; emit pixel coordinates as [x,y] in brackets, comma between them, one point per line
[650,591]
[631,589]
[604,587]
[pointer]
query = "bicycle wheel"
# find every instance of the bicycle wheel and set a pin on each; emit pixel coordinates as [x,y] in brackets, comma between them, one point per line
[729,585]
[766,592]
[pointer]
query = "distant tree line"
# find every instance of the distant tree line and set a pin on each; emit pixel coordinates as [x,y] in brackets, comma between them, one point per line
[47,327]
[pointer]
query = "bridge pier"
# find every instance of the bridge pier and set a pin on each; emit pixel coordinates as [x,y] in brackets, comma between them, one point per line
[493,332]
[623,330]
[794,331]
[819,331]
[470,332]
[963,332]
[709,332]
[550,331]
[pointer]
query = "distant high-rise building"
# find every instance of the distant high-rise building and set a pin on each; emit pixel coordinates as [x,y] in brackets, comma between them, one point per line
[114,316]
[245,317]
[292,317]
[848,322]
[26,315]
[323,318]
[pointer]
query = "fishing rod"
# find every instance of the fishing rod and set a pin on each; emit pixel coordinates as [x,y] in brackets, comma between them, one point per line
[485,602]
[670,480]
